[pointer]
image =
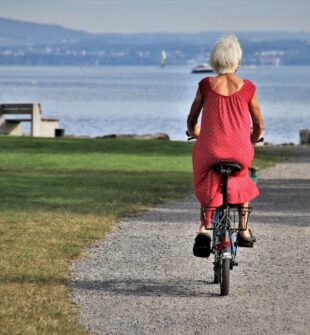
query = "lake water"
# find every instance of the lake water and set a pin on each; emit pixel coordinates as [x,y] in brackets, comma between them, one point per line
[102,100]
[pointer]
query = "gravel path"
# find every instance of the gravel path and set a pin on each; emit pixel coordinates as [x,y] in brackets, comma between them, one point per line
[143,278]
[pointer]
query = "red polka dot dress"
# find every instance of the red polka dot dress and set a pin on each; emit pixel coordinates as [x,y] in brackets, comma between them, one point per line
[224,136]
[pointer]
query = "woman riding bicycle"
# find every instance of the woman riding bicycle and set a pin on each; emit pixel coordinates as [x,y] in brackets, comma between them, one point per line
[231,122]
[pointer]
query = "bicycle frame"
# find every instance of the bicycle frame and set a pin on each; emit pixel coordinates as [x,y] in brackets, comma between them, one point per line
[224,231]
[225,227]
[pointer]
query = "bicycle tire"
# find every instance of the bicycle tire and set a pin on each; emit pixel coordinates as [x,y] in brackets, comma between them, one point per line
[217,273]
[225,276]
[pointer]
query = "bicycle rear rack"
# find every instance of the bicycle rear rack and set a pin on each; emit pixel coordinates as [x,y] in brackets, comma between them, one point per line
[225,215]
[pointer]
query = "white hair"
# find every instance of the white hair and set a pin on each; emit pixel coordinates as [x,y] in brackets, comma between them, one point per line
[226,55]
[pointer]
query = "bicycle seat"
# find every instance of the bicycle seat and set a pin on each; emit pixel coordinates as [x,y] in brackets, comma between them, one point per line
[226,167]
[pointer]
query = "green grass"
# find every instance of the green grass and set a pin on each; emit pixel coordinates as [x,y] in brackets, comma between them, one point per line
[58,195]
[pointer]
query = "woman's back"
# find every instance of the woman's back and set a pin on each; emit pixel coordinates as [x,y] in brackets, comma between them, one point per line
[225,123]
[226,84]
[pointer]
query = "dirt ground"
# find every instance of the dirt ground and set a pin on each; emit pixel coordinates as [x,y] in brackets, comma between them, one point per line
[143,278]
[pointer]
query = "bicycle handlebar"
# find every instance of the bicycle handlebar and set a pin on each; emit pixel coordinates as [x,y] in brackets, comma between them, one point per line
[189,136]
[260,140]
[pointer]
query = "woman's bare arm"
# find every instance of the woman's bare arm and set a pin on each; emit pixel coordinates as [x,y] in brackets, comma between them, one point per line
[193,115]
[257,119]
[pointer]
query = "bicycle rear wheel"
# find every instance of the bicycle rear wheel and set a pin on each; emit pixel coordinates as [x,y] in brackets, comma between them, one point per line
[225,273]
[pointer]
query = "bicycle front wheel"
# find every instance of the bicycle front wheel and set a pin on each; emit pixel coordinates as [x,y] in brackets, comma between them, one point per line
[217,272]
[225,273]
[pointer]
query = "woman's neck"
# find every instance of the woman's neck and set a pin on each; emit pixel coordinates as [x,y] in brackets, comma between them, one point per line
[233,74]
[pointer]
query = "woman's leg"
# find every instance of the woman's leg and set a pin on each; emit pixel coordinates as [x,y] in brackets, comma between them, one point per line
[205,221]
[243,218]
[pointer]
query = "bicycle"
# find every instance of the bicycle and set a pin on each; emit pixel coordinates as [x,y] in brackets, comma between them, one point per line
[224,225]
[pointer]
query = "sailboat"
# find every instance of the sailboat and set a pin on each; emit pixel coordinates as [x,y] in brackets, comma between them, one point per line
[163,58]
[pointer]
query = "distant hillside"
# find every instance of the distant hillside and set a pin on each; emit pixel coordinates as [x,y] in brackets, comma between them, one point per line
[13,32]
[27,43]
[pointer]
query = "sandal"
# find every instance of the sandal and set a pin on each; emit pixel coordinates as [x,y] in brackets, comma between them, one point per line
[202,245]
[252,235]
[245,242]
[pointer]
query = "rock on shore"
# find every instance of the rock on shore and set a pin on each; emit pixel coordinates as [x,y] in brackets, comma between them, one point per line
[156,136]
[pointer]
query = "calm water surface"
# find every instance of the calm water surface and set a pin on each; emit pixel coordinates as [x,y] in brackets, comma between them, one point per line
[102,100]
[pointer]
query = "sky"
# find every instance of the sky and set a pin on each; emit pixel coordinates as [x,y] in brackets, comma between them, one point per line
[133,16]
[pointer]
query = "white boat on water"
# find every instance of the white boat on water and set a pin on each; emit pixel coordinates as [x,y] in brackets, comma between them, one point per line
[250,66]
[202,68]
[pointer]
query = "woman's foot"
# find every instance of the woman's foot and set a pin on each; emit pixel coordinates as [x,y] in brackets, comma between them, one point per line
[202,245]
[252,235]
[245,242]
[247,234]
[245,238]
[203,228]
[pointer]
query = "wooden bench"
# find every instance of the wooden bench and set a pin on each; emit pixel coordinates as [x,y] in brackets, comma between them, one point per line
[40,127]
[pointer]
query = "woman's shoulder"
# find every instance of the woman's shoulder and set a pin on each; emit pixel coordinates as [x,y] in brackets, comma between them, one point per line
[204,80]
[249,88]
[249,83]
[204,85]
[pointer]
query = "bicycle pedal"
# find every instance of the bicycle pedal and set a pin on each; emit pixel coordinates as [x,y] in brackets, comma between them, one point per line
[236,264]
